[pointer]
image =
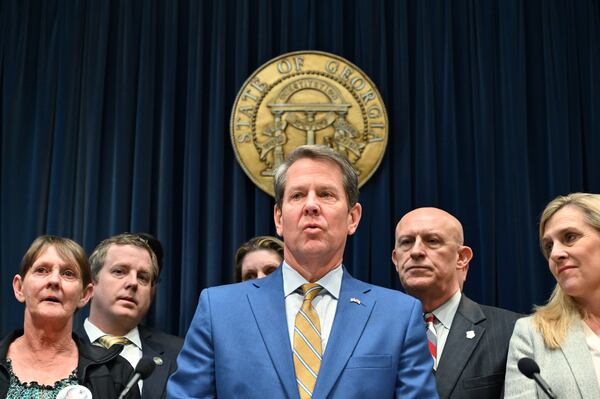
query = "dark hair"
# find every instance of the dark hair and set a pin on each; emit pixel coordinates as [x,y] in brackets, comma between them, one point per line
[156,247]
[254,244]
[318,152]
[98,257]
[67,249]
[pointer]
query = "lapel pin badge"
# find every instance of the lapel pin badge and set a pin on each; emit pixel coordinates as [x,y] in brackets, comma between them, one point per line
[470,334]
[355,300]
[157,360]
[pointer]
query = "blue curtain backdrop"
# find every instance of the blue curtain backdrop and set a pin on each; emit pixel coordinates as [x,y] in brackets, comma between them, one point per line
[115,117]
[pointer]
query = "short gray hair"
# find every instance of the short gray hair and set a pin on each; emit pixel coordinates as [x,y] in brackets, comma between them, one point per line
[321,153]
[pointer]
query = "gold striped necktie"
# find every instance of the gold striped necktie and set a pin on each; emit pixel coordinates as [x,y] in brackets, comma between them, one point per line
[307,342]
[109,340]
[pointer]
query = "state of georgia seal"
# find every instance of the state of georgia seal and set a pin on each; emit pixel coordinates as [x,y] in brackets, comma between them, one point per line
[307,97]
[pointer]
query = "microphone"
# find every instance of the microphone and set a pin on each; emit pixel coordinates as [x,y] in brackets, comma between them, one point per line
[530,369]
[144,368]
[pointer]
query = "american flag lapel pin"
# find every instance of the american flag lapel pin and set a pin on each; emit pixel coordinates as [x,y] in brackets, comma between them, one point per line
[355,300]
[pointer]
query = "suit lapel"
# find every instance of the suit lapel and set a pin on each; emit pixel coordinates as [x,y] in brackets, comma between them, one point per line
[154,387]
[268,306]
[459,347]
[578,356]
[353,310]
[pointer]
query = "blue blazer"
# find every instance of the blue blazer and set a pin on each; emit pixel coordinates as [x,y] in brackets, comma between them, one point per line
[238,346]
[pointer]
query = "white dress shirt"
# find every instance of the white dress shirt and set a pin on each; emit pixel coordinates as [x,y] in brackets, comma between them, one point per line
[325,303]
[132,353]
[593,344]
[445,314]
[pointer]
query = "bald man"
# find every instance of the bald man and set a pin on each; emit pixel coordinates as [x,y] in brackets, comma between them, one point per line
[468,341]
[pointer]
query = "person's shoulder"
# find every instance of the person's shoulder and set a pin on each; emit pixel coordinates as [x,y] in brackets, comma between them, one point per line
[226,291]
[232,292]
[383,293]
[526,335]
[161,336]
[388,292]
[493,312]
[7,340]
[525,323]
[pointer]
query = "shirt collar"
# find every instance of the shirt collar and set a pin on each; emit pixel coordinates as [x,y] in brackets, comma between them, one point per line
[331,282]
[94,333]
[445,313]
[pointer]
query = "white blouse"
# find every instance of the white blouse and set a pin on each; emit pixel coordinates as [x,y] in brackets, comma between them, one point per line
[593,344]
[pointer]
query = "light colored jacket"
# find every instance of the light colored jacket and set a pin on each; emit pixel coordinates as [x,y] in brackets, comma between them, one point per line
[568,370]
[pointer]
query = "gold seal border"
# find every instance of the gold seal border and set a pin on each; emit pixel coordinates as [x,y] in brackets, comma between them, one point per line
[271,61]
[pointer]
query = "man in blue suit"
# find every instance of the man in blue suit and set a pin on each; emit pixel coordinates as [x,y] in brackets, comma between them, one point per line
[308,330]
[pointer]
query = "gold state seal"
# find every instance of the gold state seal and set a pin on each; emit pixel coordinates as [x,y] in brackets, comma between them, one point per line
[307,97]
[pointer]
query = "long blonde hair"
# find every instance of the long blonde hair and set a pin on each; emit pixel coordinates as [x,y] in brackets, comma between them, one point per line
[553,319]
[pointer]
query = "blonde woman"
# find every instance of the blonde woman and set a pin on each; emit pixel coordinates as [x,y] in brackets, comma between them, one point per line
[563,336]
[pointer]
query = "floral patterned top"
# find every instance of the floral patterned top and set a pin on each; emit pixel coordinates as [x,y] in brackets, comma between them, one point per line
[33,390]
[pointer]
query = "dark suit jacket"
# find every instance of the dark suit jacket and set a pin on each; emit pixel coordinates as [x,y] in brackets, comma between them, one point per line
[155,343]
[238,346]
[475,367]
[167,347]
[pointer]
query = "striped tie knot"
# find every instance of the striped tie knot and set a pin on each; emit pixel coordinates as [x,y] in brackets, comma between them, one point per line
[109,340]
[307,342]
[310,291]
[429,318]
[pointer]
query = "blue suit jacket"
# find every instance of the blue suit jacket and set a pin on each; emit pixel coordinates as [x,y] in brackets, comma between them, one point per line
[238,346]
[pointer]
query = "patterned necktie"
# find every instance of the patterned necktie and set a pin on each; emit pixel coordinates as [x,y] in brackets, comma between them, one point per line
[307,343]
[430,320]
[109,340]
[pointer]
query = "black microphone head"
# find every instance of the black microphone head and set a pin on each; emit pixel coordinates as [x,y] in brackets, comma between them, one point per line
[528,367]
[145,367]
